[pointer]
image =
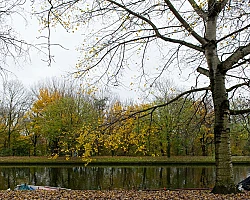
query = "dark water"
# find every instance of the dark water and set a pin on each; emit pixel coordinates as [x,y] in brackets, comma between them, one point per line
[111,177]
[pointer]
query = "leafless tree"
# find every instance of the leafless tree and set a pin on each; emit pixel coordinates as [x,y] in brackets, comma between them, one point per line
[15,102]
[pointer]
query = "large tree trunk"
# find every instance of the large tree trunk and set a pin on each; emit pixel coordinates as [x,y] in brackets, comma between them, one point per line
[224,170]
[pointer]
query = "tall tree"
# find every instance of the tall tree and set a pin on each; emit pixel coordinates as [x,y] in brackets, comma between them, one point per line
[211,36]
[15,102]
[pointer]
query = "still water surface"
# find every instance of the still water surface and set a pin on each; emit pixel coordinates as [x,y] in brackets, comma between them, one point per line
[115,177]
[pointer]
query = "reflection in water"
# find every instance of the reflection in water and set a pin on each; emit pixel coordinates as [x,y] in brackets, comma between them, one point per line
[111,177]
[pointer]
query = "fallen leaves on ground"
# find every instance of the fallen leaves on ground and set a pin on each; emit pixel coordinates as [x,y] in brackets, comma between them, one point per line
[120,194]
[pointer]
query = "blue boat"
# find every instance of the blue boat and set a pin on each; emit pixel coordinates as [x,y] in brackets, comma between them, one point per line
[24,186]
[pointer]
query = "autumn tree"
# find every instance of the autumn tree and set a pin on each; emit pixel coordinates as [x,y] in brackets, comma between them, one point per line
[211,36]
[43,96]
[185,124]
[184,127]
[32,129]
[166,116]
[240,127]
[15,102]
[38,116]
[61,114]
[166,121]
[204,120]
[125,135]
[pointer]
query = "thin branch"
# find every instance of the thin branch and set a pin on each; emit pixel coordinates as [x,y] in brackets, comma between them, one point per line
[238,86]
[233,33]
[111,49]
[49,33]
[169,62]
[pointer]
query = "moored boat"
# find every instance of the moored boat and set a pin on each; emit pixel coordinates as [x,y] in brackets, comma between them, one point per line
[35,187]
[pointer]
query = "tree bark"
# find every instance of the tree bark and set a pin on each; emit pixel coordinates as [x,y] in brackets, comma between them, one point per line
[224,183]
[224,170]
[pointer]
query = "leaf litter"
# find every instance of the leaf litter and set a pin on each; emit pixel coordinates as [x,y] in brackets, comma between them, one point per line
[120,194]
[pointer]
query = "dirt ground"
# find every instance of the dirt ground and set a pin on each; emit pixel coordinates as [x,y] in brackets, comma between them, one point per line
[119,194]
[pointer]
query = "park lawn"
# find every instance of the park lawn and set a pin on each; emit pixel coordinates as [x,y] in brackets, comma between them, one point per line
[119,160]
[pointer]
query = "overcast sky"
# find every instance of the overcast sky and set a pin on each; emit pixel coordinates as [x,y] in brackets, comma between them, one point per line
[37,70]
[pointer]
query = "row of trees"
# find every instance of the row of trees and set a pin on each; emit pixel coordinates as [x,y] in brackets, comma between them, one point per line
[60,118]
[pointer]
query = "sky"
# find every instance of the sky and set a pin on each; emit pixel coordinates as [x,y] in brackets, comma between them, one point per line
[36,70]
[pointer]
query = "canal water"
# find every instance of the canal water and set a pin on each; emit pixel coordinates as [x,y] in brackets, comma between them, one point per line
[115,177]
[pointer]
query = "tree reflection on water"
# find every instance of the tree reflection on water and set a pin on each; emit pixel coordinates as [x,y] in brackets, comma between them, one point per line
[115,177]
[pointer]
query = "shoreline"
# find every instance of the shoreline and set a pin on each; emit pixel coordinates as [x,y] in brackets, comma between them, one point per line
[118,160]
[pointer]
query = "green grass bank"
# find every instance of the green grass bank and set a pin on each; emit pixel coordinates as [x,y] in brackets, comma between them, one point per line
[119,160]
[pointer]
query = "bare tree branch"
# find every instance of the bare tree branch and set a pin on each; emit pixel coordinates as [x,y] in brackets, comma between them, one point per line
[185,24]
[198,10]
[153,108]
[239,112]
[203,71]
[233,33]
[240,53]
[238,86]
[158,34]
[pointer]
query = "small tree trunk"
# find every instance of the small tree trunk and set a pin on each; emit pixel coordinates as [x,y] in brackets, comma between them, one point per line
[168,145]
[35,144]
[203,146]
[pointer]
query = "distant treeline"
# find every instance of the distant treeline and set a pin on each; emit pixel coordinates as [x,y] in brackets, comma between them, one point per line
[61,118]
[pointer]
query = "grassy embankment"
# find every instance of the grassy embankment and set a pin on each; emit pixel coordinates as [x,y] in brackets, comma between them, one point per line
[119,160]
